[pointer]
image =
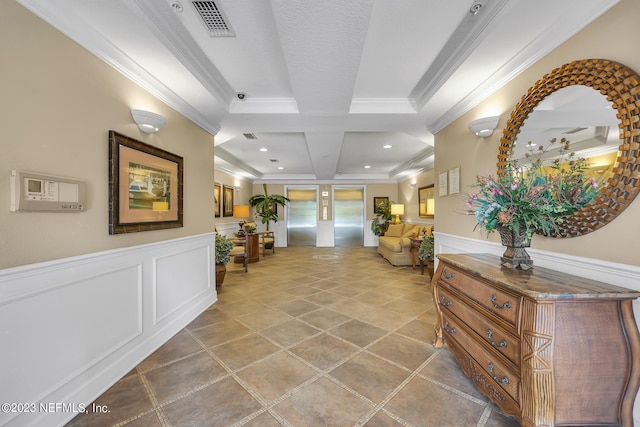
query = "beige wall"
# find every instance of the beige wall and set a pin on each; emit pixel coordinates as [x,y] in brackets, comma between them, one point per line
[243,191]
[408,194]
[613,36]
[58,103]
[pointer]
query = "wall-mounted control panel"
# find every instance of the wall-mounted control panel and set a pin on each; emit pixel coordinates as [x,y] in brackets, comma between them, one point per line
[35,192]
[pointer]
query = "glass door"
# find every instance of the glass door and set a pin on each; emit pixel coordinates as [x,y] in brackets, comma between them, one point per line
[302,216]
[348,216]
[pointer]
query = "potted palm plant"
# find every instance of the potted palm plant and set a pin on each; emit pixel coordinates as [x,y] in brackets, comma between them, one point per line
[267,205]
[223,247]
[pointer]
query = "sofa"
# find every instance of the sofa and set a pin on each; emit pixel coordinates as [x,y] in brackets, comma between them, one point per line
[395,245]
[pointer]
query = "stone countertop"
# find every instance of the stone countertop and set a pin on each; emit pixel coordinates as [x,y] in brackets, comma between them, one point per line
[537,283]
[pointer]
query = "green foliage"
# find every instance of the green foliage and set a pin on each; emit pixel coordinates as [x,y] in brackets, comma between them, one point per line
[223,247]
[538,198]
[266,205]
[383,215]
[426,248]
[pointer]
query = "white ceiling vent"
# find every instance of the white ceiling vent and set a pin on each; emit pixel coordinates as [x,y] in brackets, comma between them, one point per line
[250,136]
[214,19]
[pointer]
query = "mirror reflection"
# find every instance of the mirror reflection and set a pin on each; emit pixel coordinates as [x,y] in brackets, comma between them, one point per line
[580,114]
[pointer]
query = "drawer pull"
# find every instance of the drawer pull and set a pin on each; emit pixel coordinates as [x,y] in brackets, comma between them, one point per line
[446,325]
[502,343]
[447,275]
[494,297]
[445,304]
[504,380]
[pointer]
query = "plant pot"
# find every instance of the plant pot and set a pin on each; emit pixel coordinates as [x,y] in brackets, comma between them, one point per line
[221,270]
[516,255]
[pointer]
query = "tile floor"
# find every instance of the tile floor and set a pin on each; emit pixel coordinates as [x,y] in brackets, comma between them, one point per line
[308,337]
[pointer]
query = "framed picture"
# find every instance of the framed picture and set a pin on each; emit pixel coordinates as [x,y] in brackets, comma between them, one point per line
[216,200]
[376,203]
[454,181]
[227,200]
[426,202]
[145,186]
[443,184]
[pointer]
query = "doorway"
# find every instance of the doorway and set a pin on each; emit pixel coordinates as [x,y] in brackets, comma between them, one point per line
[302,216]
[348,203]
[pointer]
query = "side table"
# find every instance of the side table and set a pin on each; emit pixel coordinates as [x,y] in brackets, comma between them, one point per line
[415,253]
[253,254]
[415,247]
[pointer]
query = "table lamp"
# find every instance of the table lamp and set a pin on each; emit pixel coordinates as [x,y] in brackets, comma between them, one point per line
[397,210]
[242,212]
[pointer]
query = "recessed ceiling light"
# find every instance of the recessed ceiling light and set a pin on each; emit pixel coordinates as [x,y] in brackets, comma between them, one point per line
[387,146]
[280,167]
[263,149]
[367,167]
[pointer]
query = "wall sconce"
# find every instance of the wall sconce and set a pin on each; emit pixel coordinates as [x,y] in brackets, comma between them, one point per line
[397,210]
[147,121]
[242,212]
[485,126]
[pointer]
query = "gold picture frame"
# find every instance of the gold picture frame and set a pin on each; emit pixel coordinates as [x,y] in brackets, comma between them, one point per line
[426,201]
[216,200]
[227,200]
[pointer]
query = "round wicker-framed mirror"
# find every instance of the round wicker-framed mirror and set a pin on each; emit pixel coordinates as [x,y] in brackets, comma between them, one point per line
[621,86]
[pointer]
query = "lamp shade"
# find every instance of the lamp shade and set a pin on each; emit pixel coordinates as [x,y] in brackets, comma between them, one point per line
[241,211]
[397,209]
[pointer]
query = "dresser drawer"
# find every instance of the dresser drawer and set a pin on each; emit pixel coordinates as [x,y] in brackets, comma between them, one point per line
[487,330]
[503,304]
[492,369]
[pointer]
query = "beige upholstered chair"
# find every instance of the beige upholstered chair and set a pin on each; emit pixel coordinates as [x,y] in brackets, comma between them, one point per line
[266,241]
[240,250]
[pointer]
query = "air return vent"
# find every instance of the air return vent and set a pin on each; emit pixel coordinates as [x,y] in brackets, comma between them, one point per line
[250,136]
[214,19]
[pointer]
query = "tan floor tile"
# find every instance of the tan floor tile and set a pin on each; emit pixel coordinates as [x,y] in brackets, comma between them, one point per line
[220,404]
[381,419]
[207,318]
[324,351]
[298,307]
[370,376]
[289,333]
[325,318]
[125,399]
[322,403]
[222,332]
[423,403]
[243,351]
[445,370]
[404,351]
[180,345]
[385,319]
[264,318]
[418,330]
[171,381]
[358,332]
[277,375]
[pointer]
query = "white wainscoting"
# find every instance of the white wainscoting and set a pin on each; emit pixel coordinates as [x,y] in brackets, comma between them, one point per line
[70,328]
[627,276]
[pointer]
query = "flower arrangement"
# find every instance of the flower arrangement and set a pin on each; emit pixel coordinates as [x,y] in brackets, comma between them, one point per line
[535,198]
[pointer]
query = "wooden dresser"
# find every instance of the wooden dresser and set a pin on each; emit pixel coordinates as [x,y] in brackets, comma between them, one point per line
[548,348]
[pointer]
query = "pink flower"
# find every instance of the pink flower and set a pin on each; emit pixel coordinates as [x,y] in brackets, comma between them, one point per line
[593,183]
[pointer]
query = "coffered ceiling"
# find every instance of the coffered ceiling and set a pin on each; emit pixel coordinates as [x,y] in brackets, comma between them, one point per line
[326,84]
